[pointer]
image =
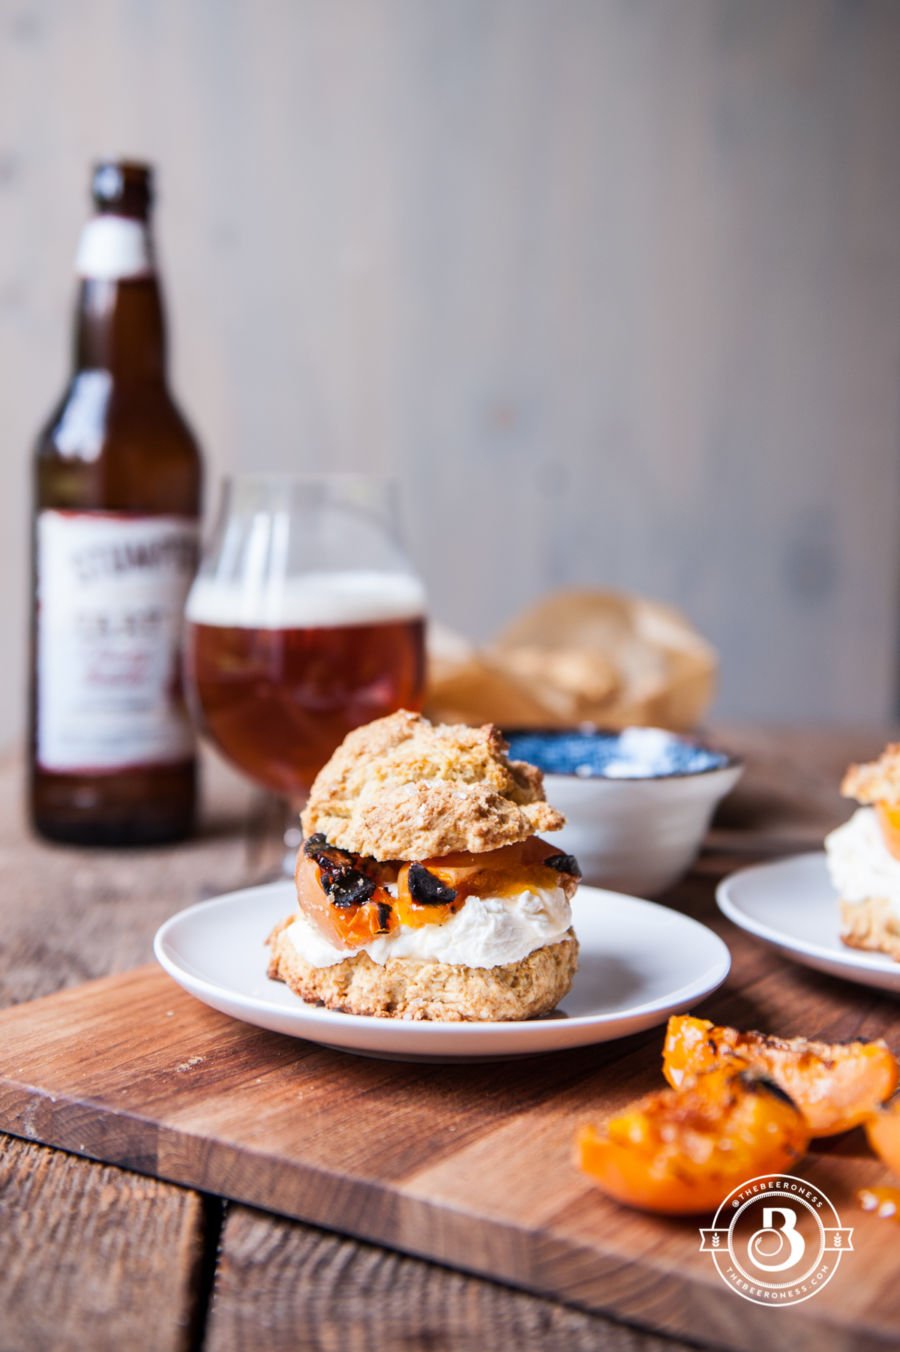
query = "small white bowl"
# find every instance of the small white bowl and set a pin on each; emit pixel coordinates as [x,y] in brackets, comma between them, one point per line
[636,824]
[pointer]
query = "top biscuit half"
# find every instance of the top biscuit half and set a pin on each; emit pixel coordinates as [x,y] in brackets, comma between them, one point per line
[877,781]
[403,788]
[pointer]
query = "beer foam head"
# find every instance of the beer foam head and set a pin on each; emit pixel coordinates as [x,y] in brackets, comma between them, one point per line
[311,601]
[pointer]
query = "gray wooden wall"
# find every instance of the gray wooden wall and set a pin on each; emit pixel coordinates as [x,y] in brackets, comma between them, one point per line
[613,284]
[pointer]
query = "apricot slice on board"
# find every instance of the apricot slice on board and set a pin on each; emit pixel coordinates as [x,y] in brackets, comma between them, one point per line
[835,1085]
[681,1151]
[883,1131]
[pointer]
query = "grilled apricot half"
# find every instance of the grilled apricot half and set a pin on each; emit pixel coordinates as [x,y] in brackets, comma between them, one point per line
[680,1151]
[346,905]
[835,1085]
[883,1131]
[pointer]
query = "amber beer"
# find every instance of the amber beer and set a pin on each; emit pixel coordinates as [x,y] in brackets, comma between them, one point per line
[117,497]
[277,692]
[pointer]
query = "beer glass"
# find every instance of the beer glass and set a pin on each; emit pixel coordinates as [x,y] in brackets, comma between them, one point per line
[305,620]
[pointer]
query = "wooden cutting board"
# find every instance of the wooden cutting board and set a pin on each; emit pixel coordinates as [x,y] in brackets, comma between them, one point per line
[469,1165]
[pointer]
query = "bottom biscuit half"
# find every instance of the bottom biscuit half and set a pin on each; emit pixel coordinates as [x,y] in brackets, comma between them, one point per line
[871,924]
[410,988]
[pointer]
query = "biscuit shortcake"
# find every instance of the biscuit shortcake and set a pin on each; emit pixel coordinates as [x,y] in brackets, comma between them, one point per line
[423,888]
[864,856]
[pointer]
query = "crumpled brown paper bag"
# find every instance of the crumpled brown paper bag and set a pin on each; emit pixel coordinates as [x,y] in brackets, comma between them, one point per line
[578,656]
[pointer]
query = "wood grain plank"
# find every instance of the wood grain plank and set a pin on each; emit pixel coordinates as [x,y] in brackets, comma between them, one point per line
[483,1180]
[145,1076]
[291,1288]
[153,1055]
[789,796]
[93,1257]
[69,914]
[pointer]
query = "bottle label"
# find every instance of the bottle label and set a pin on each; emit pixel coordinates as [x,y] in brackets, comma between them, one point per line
[111,590]
[113,247]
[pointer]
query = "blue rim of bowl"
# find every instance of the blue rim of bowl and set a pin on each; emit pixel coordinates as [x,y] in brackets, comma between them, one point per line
[730,760]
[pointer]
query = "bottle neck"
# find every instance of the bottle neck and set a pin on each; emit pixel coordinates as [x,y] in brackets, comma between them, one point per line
[120,325]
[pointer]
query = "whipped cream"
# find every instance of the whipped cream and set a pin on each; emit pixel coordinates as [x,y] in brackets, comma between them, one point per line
[860,864]
[485,932]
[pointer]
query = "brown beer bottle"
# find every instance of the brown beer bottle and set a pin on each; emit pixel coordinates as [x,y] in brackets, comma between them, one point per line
[117,498]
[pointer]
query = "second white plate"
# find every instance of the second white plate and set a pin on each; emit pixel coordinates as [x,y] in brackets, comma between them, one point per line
[793,906]
[639,963]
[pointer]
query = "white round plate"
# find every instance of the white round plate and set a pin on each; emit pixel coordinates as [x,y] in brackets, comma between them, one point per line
[639,963]
[793,906]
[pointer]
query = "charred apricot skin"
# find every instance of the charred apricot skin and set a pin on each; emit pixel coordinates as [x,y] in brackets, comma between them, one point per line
[348,915]
[445,883]
[506,871]
[835,1085]
[345,897]
[883,1131]
[680,1151]
[424,897]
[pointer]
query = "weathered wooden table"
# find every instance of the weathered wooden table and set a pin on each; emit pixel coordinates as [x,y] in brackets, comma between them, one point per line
[97,1257]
